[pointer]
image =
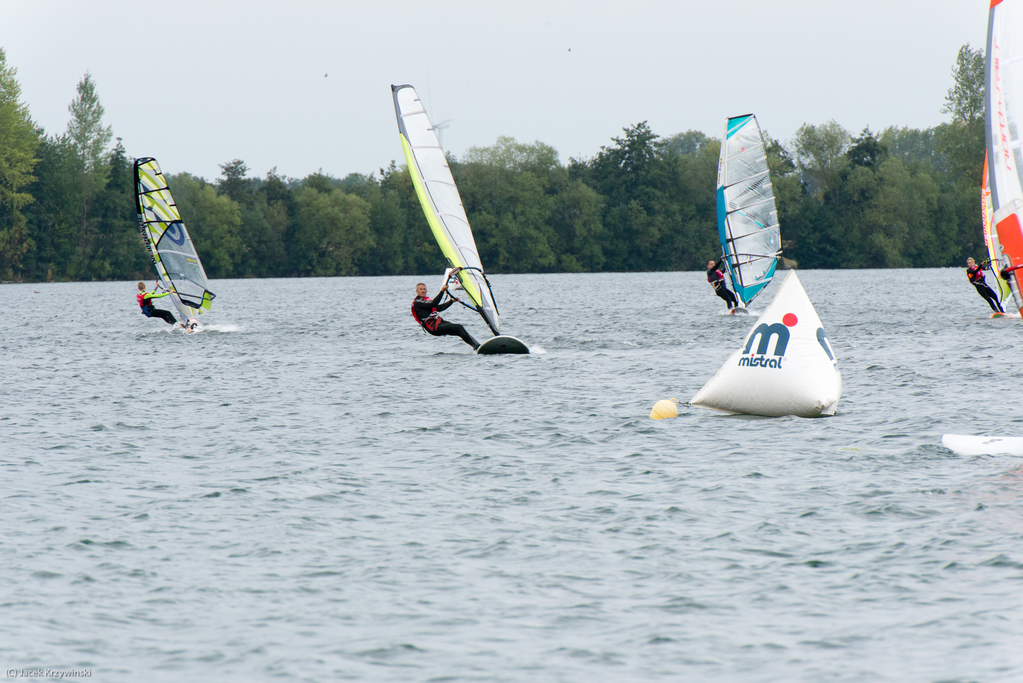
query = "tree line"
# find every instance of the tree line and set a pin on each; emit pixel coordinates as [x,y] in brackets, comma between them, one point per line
[898,197]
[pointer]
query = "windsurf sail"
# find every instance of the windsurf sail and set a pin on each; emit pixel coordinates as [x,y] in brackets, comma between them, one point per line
[177,264]
[441,203]
[1004,119]
[990,238]
[747,217]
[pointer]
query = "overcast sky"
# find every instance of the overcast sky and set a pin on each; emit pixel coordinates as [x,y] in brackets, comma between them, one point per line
[304,85]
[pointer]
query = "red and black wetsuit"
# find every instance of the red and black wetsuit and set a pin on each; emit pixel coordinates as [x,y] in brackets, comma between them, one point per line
[425,312]
[976,276]
[145,300]
[717,278]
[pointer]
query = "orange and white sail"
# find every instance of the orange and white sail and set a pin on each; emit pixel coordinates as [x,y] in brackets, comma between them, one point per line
[1004,119]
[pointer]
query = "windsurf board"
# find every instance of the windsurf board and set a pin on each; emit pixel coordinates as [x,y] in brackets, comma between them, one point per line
[964,444]
[501,344]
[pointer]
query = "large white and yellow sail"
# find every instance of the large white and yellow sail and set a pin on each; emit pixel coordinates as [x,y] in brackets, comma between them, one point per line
[177,264]
[440,200]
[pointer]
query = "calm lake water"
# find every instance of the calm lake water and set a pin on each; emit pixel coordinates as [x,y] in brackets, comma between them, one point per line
[314,490]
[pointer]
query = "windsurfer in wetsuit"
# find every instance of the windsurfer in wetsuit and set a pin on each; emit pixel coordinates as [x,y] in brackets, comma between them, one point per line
[717,278]
[149,310]
[976,275]
[425,311]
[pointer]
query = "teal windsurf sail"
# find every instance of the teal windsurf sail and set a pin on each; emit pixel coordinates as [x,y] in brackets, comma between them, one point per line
[747,217]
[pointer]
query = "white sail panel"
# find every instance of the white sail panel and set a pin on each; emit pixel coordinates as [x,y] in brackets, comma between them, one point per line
[747,217]
[440,200]
[786,365]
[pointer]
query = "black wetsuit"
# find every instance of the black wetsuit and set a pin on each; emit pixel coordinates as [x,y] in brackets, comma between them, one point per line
[716,278]
[976,275]
[425,312]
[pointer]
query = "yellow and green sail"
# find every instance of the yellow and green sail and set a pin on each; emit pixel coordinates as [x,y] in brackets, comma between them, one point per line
[177,264]
[440,200]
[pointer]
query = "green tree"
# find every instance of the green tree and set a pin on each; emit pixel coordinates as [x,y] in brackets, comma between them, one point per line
[509,212]
[965,99]
[19,140]
[914,147]
[89,139]
[333,232]
[820,156]
[118,252]
[536,158]
[53,219]
[961,141]
[689,143]
[213,221]
[419,252]
[637,182]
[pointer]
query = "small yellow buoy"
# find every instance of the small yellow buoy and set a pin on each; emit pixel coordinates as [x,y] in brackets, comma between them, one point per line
[665,408]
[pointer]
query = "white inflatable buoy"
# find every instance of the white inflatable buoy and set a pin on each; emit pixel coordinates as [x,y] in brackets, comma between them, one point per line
[665,408]
[786,366]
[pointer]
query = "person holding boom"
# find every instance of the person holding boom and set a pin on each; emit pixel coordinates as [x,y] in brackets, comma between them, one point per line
[149,309]
[976,275]
[425,311]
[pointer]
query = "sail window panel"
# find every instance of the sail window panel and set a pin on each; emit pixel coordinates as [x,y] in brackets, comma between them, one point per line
[753,219]
[445,198]
[461,235]
[745,166]
[451,214]
[181,262]
[186,274]
[421,136]
[433,166]
[750,272]
[746,140]
[754,191]
[754,273]
[752,243]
